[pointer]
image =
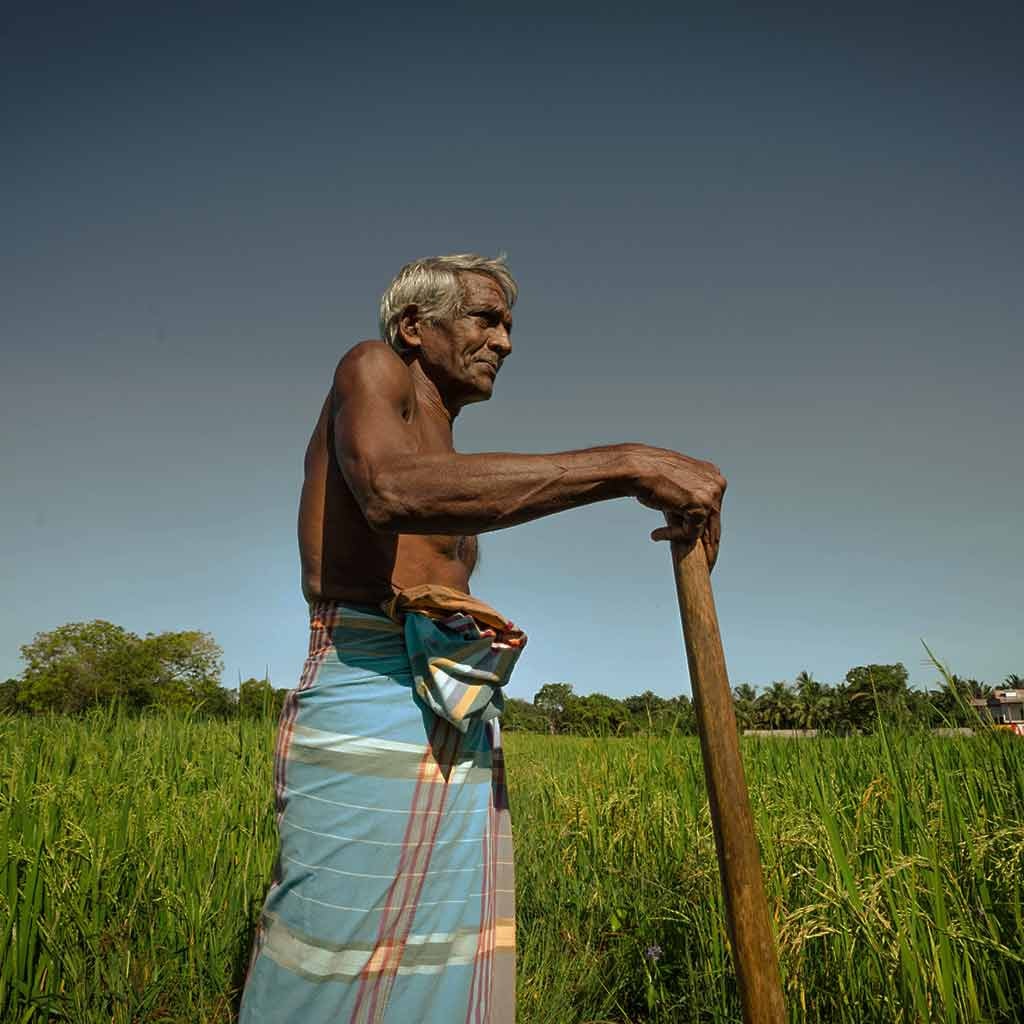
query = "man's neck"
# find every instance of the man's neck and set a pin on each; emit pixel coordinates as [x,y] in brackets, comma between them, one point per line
[429,397]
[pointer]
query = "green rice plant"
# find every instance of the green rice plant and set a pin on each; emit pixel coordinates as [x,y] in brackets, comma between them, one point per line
[893,867]
[135,853]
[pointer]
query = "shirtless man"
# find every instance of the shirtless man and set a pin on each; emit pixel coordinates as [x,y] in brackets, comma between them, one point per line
[393,899]
[388,503]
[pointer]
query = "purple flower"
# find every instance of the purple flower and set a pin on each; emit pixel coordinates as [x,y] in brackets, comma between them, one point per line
[653,953]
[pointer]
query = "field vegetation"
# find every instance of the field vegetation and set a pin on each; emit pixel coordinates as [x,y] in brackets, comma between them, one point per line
[136,851]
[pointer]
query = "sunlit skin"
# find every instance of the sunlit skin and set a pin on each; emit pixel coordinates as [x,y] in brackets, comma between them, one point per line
[388,503]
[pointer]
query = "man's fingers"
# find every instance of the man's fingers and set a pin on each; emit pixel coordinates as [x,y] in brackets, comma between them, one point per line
[687,535]
[710,551]
[713,537]
[688,529]
[685,527]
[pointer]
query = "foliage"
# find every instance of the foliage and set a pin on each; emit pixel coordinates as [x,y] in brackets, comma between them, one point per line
[877,691]
[188,670]
[521,716]
[869,696]
[9,690]
[554,701]
[893,865]
[82,665]
[258,699]
[137,852]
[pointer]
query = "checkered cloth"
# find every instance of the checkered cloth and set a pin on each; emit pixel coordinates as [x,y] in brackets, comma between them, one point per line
[393,897]
[461,650]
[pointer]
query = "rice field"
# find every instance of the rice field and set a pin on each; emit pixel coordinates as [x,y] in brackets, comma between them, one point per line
[134,855]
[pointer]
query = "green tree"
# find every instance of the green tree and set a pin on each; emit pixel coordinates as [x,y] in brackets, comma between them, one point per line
[744,699]
[949,705]
[807,685]
[9,696]
[813,706]
[521,716]
[776,707]
[645,711]
[258,699]
[843,717]
[81,664]
[971,688]
[597,714]
[678,716]
[187,667]
[875,691]
[554,701]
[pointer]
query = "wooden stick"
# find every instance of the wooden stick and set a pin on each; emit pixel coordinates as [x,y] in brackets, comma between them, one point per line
[746,910]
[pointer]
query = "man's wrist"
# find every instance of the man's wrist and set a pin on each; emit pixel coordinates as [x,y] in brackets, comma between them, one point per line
[627,469]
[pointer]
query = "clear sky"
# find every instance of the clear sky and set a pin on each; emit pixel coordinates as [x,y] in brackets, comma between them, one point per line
[790,245]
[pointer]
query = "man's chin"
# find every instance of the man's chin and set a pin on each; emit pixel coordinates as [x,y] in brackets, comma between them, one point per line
[480,392]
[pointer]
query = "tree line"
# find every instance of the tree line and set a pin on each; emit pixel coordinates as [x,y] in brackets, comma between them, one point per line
[83,665]
[867,696]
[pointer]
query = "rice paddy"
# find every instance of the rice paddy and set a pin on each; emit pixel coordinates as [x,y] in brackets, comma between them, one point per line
[134,855]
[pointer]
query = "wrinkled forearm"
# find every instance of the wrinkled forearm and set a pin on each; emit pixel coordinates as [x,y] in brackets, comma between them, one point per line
[451,493]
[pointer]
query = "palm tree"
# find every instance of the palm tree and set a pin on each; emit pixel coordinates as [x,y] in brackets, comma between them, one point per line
[806,681]
[745,692]
[775,707]
[744,699]
[811,701]
[814,710]
[970,687]
[843,717]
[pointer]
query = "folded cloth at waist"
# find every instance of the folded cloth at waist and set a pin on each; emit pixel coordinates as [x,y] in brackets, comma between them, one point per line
[438,602]
[462,651]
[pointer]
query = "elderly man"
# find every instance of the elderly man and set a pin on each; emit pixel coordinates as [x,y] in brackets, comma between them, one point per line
[393,899]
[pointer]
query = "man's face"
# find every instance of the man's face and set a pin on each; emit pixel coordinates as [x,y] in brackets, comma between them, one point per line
[463,355]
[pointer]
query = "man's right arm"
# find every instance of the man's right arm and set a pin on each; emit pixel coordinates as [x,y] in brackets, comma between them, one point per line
[401,490]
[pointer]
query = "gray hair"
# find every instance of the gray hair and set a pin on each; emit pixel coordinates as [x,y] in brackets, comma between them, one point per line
[433,285]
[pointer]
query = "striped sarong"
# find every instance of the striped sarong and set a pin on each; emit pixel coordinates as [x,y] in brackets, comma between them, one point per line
[393,898]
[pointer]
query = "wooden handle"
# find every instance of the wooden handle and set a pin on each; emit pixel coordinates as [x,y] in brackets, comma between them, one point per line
[739,864]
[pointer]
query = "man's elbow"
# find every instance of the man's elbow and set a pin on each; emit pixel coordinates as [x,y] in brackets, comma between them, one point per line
[382,507]
[379,516]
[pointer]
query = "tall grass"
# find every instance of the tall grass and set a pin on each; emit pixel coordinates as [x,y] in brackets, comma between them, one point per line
[894,869]
[137,853]
[134,855]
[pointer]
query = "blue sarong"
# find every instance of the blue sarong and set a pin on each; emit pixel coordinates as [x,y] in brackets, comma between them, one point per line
[393,898]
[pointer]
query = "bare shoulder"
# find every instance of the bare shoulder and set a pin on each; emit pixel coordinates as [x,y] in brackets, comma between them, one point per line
[373,366]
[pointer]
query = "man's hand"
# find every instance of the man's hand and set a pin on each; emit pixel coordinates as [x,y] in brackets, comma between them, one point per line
[685,531]
[688,491]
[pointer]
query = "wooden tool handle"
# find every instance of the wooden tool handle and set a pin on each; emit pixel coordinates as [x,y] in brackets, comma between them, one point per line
[739,863]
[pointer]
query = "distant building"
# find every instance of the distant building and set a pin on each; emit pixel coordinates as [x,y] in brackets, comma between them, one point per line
[1001,707]
[782,734]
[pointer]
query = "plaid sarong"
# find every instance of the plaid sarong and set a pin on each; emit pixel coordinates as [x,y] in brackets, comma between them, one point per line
[393,897]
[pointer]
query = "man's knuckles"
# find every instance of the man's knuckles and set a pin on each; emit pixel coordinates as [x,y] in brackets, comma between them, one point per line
[707,498]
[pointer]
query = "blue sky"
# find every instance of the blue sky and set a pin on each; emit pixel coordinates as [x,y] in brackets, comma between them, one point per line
[790,245]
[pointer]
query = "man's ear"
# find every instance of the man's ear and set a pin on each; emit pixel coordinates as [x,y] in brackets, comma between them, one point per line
[409,327]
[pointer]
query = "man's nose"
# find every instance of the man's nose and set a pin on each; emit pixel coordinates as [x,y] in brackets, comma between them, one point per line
[499,341]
